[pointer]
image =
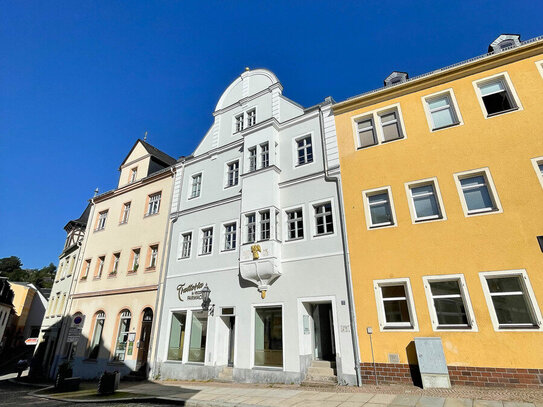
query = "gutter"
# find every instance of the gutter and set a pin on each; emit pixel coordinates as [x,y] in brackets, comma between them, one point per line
[159,305]
[352,313]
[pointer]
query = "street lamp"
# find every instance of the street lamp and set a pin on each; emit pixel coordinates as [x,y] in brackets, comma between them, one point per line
[205,297]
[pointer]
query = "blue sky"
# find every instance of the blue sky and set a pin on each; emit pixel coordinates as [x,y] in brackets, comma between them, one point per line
[81,81]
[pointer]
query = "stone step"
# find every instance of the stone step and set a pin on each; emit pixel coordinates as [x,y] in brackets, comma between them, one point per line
[310,383]
[321,371]
[321,378]
[323,363]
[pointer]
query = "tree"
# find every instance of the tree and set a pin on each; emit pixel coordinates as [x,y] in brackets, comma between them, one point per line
[10,264]
[11,267]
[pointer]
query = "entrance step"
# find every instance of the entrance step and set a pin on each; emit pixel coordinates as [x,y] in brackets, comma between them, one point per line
[226,375]
[321,373]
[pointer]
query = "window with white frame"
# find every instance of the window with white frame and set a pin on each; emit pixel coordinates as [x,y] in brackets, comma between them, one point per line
[251,117]
[496,95]
[478,194]
[85,269]
[115,265]
[230,238]
[154,204]
[133,174]
[135,260]
[153,256]
[126,212]
[100,266]
[232,174]
[304,150]
[395,304]
[239,122]
[295,224]
[252,159]
[442,111]
[389,127]
[511,300]
[265,225]
[379,208]
[424,201]
[449,302]
[324,221]
[102,216]
[264,155]
[186,244]
[196,185]
[207,240]
[250,220]
[538,167]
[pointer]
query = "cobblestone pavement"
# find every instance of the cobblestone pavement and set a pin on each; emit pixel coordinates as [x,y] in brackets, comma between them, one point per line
[219,394]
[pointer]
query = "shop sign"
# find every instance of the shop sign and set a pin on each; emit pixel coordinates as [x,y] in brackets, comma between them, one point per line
[192,291]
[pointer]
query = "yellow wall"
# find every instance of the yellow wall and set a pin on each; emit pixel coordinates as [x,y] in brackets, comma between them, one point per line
[467,245]
[22,300]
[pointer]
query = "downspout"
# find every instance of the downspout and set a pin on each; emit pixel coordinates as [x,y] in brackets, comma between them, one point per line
[352,312]
[163,273]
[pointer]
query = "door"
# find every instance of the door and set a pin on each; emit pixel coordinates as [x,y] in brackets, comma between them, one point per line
[143,342]
[231,341]
[324,332]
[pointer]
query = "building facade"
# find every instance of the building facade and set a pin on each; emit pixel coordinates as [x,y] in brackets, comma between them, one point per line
[116,285]
[256,287]
[443,188]
[53,321]
[29,306]
[6,307]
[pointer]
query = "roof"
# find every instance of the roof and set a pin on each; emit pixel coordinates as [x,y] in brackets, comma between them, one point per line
[154,152]
[82,220]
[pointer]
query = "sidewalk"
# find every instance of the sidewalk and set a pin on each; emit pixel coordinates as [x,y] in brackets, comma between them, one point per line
[228,395]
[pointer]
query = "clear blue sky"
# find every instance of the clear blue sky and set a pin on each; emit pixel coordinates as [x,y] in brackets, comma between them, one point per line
[80,81]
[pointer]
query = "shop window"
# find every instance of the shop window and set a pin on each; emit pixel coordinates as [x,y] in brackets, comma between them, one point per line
[177,336]
[122,336]
[268,337]
[198,336]
[96,342]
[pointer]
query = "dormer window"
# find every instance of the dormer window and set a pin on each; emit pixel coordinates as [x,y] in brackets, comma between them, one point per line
[503,42]
[133,174]
[395,78]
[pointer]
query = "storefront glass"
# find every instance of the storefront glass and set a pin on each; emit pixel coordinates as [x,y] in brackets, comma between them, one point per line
[268,337]
[198,333]
[177,336]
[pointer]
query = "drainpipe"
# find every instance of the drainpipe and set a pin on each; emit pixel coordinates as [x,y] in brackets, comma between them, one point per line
[163,273]
[352,314]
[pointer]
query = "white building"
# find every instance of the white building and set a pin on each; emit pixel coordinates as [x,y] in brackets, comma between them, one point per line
[256,220]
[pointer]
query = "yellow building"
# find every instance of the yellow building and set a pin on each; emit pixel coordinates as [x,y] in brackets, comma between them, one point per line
[443,196]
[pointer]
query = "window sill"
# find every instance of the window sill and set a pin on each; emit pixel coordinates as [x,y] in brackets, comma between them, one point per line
[150,269]
[483,212]
[98,230]
[231,186]
[97,278]
[112,275]
[446,127]
[148,215]
[514,109]
[297,239]
[193,197]
[324,234]
[380,226]
[131,272]
[183,258]
[123,223]
[433,219]
[228,250]
[302,164]
[205,254]
[523,327]
[83,279]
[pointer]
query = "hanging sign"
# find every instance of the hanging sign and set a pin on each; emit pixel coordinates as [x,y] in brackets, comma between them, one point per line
[192,291]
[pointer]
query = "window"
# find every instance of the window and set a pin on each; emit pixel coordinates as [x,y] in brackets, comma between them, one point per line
[102,216]
[133,174]
[538,167]
[379,208]
[496,95]
[295,224]
[96,342]
[265,155]
[126,212]
[154,204]
[230,236]
[265,225]
[122,336]
[304,150]
[395,304]
[441,110]
[268,337]
[66,267]
[177,336]
[72,264]
[196,185]
[323,219]
[251,117]
[251,227]
[153,256]
[100,266]
[378,126]
[424,200]
[135,260]
[207,240]
[390,126]
[539,65]
[198,336]
[186,244]
[511,300]
[448,302]
[239,122]
[85,269]
[115,264]
[232,174]
[478,195]
[252,159]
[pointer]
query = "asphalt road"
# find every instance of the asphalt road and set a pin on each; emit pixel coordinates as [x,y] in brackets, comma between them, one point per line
[12,394]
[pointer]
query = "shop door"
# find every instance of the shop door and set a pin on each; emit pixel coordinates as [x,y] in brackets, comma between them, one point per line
[324,332]
[231,343]
[143,343]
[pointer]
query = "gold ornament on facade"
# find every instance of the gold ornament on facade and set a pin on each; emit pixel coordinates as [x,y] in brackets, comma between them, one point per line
[255,249]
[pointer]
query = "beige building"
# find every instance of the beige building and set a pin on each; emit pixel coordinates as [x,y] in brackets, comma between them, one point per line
[116,287]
